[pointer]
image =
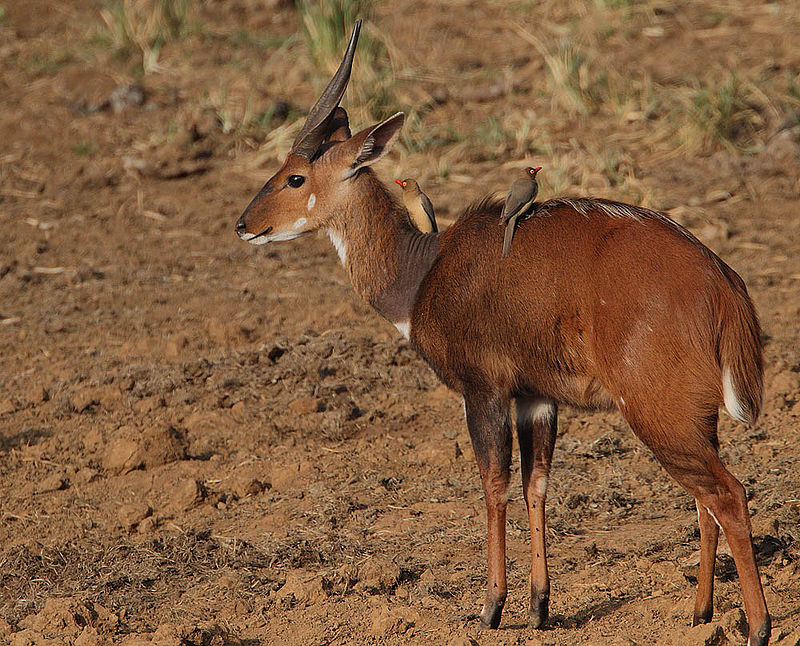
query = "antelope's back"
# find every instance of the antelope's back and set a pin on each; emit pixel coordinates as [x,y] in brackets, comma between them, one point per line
[589,289]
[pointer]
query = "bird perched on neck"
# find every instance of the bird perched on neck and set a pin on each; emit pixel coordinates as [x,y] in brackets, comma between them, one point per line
[519,201]
[419,206]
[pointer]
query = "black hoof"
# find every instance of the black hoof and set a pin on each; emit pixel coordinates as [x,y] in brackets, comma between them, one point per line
[702,617]
[538,613]
[491,613]
[761,636]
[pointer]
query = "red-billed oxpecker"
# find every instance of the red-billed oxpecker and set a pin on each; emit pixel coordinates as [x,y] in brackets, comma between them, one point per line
[519,202]
[419,206]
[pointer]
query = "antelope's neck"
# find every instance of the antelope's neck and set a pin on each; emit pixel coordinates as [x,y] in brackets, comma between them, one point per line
[384,255]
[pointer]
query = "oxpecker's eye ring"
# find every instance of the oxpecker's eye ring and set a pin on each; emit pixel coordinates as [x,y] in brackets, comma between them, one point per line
[295,181]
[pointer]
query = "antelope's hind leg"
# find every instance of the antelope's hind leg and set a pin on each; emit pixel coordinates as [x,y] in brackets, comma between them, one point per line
[489,426]
[536,430]
[709,535]
[687,449]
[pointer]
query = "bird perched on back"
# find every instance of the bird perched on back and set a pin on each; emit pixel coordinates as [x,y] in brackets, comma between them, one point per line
[418,205]
[518,203]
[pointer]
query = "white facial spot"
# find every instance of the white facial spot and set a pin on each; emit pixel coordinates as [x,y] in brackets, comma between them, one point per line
[404,328]
[247,236]
[312,200]
[299,223]
[339,244]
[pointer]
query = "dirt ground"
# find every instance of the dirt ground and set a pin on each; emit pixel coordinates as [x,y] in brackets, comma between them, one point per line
[207,443]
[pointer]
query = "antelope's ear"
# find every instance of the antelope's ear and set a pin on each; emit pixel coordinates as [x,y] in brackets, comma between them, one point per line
[340,126]
[376,141]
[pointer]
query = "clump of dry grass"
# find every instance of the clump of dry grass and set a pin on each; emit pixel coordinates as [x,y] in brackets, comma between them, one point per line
[326,27]
[573,84]
[719,113]
[141,27]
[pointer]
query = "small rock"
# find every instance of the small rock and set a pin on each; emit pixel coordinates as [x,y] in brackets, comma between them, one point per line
[122,455]
[302,588]
[440,95]
[53,482]
[378,575]
[147,525]
[85,475]
[734,623]
[37,394]
[187,494]
[89,637]
[132,514]
[304,405]
[244,485]
[161,445]
[83,400]
[126,96]
[706,635]
[386,621]
[238,411]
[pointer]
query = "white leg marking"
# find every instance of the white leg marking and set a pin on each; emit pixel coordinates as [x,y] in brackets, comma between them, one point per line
[540,486]
[536,410]
[404,327]
[341,246]
[732,402]
[312,200]
[299,223]
[714,517]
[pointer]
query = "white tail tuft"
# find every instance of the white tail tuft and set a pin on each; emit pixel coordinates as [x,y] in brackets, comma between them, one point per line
[732,401]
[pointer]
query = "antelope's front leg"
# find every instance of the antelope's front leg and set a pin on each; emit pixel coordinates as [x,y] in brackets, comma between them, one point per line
[490,430]
[536,430]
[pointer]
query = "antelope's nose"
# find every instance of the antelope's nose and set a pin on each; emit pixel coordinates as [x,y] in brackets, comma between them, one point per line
[241,226]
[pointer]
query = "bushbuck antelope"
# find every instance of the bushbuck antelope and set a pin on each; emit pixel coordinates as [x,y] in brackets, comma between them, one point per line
[598,305]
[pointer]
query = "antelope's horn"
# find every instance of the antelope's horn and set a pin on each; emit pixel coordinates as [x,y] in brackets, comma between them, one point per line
[318,123]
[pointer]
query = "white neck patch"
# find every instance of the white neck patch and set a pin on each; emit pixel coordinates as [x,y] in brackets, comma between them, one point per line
[404,327]
[338,243]
[312,200]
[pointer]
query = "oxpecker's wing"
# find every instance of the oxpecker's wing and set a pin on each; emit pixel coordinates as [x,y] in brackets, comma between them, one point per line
[509,235]
[519,198]
[427,206]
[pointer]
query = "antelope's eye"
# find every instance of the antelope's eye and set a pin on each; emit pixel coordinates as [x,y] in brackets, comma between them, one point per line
[296,181]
